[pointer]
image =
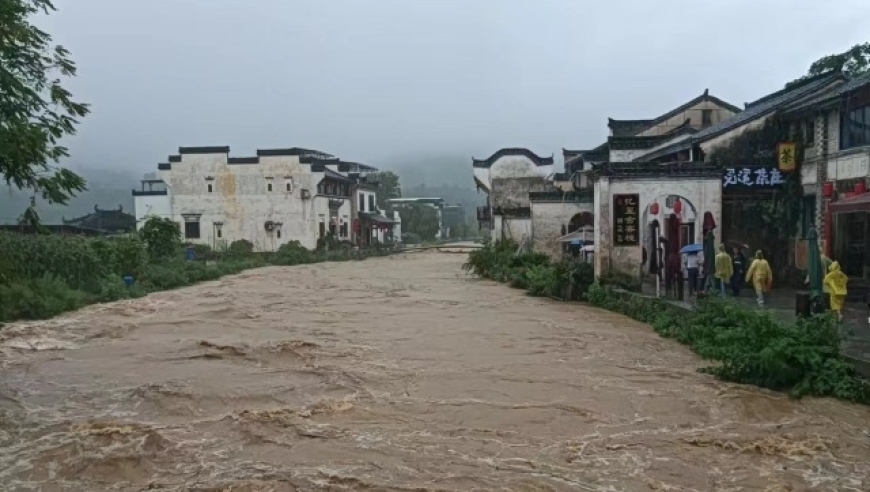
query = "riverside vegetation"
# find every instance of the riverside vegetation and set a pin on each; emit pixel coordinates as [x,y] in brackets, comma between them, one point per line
[44,275]
[744,345]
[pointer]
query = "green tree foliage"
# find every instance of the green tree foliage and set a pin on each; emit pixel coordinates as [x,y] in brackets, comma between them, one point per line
[852,62]
[46,274]
[162,237]
[388,187]
[37,112]
[419,219]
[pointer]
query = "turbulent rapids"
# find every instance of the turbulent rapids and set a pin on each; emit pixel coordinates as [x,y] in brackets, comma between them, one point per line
[392,374]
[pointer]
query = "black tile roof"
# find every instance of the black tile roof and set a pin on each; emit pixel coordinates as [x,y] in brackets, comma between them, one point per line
[164,166]
[329,173]
[105,220]
[294,151]
[174,158]
[376,218]
[518,151]
[631,142]
[754,110]
[650,169]
[243,160]
[346,166]
[225,149]
[150,192]
[832,96]
[633,127]
[625,128]
[582,196]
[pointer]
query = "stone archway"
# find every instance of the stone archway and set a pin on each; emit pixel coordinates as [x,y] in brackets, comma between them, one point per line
[657,226]
[581,220]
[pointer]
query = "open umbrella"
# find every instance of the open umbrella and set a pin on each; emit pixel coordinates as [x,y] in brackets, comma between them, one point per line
[692,249]
[814,265]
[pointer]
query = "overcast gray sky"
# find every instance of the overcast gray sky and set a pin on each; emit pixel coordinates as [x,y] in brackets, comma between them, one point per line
[375,79]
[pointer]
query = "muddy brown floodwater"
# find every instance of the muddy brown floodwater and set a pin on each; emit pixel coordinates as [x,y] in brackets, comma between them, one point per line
[397,373]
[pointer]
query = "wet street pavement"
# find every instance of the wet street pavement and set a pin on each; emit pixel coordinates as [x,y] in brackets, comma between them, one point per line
[398,373]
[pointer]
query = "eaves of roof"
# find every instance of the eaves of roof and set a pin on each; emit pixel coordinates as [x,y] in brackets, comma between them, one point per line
[753,111]
[517,151]
[646,124]
[829,98]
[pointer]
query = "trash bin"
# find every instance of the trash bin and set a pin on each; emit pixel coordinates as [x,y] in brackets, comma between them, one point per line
[190,253]
[128,281]
[802,307]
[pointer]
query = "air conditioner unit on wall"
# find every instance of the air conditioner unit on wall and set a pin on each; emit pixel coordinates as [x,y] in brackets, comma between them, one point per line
[305,194]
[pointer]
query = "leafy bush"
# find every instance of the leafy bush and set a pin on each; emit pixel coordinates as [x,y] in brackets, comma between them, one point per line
[38,298]
[162,238]
[240,249]
[44,275]
[543,280]
[293,253]
[750,347]
[533,271]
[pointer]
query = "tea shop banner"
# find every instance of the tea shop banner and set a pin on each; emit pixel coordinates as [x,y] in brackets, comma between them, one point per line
[764,177]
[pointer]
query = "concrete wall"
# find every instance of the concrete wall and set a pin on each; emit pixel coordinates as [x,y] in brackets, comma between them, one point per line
[626,155]
[513,228]
[514,192]
[844,164]
[241,201]
[547,221]
[705,194]
[511,166]
[151,206]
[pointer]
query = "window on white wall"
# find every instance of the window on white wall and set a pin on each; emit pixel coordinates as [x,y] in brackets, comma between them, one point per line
[210,188]
[362,202]
[288,186]
[268,186]
[191,229]
[371,203]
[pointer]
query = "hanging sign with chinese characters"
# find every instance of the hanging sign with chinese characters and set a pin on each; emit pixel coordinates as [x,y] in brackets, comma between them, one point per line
[626,220]
[785,157]
[752,177]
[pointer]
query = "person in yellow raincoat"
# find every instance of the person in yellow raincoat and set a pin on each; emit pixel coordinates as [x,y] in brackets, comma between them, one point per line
[761,276]
[724,268]
[826,265]
[836,282]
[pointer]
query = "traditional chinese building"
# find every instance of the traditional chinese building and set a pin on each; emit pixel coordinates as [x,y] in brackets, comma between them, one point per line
[105,221]
[507,177]
[834,126]
[637,205]
[765,200]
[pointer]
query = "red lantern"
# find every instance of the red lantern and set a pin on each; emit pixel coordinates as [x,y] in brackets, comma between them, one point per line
[860,187]
[828,189]
[678,207]
[654,208]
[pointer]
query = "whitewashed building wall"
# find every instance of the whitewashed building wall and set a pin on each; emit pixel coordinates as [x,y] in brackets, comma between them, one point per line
[704,195]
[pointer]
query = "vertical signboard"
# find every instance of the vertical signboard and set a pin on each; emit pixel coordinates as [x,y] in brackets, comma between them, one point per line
[786,157]
[626,220]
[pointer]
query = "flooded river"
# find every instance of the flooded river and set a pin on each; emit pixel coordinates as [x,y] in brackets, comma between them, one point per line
[392,374]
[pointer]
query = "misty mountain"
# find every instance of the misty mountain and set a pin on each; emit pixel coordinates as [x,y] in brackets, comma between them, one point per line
[443,176]
[107,189]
